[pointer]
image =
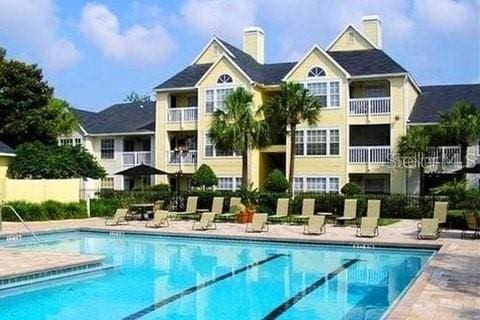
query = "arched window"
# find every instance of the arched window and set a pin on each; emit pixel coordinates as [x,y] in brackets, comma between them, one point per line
[316,72]
[224,78]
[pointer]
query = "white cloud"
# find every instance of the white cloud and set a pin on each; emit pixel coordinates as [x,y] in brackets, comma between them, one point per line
[225,18]
[34,23]
[137,45]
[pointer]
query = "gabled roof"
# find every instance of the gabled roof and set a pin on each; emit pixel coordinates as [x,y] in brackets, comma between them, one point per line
[133,117]
[438,99]
[350,26]
[366,62]
[188,77]
[5,150]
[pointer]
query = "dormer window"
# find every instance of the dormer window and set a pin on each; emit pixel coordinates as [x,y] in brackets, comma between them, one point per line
[224,78]
[316,72]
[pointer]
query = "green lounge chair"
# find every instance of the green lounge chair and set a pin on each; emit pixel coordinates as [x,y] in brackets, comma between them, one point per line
[235,202]
[428,229]
[471,224]
[308,208]
[349,211]
[190,209]
[282,210]
[373,209]
[315,225]
[440,211]
[259,223]
[118,219]
[368,227]
[206,222]
[160,219]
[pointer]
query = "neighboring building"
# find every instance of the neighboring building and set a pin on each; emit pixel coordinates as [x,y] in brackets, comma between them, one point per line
[120,137]
[370,101]
[6,155]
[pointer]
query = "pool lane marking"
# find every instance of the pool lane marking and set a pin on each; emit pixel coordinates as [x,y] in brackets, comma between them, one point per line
[205,284]
[279,310]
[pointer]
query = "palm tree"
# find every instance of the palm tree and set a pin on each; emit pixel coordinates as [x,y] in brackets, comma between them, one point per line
[291,107]
[236,127]
[461,123]
[415,145]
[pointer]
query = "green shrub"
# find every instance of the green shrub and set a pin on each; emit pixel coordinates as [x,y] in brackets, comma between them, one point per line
[49,210]
[204,177]
[276,182]
[104,207]
[351,189]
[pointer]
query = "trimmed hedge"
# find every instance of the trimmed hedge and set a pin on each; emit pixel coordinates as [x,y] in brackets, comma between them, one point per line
[49,210]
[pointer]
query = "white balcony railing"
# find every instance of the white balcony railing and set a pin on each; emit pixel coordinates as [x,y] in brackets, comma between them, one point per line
[135,158]
[186,157]
[445,158]
[181,115]
[373,154]
[369,106]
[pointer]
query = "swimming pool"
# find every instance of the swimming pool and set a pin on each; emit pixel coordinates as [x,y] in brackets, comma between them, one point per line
[159,277]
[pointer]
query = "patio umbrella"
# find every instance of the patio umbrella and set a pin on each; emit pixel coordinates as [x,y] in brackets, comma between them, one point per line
[141,171]
[474,169]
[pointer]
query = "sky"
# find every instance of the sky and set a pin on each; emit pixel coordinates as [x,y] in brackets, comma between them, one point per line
[95,52]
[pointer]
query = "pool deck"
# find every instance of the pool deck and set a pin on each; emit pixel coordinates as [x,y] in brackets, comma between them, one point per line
[448,288]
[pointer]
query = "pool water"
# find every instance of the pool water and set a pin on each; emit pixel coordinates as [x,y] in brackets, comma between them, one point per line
[159,277]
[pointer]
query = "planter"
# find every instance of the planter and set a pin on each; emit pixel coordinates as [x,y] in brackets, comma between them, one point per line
[245,216]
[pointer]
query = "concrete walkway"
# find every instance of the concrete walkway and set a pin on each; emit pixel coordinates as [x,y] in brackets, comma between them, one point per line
[449,287]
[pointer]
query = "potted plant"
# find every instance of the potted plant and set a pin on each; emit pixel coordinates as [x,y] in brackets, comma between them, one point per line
[249,197]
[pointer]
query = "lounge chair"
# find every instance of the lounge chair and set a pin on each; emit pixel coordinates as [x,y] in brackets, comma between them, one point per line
[235,203]
[368,227]
[282,210]
[190,210]
[471,224]
[308,208]
[259,223]
[118,219]
[349,211]
[158,205]
[428,229]
[373,209]
[440,211]
[160,219]
[315,225]
[217,205]
[206,222]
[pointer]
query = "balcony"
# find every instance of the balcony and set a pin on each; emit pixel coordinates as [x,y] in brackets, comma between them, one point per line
[135,158]
[369,155]
[181,115]
[188,158]
[369,106]
[445,158]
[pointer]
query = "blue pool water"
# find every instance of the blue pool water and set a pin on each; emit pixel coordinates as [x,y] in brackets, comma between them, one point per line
[183,278]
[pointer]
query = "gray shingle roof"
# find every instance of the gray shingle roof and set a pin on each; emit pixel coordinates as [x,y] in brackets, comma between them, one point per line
[123,117]
[438,99]
[188,77]
[5,149]
[366,62]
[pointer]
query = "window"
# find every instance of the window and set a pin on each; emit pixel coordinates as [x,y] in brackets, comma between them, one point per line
[106,183]
[107,149]
[316,72]
[192,101]
[328,92]
[229,183]
[316,184]
[318,142]
[375,91]
[214,98]
[212,151]
[70,141]
[224,78]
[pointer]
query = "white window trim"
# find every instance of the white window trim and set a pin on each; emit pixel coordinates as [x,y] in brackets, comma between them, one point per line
[316,77]
[327,81]
[234,156]
[328,155]
[114,148]
[234,183]
[215,88]
[327,177]
[73,138]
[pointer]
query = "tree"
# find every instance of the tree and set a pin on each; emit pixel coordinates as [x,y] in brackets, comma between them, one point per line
[39,161]
[136,97]
[276,181]
[291,107]
[237,127]
[27,111]
[204,177]
[415,145]
[462,123]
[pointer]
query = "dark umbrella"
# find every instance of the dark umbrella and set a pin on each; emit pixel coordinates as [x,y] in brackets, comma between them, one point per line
[141,171]
[474,169]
